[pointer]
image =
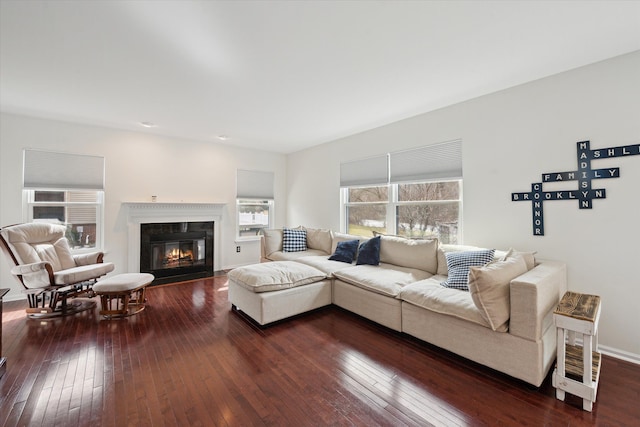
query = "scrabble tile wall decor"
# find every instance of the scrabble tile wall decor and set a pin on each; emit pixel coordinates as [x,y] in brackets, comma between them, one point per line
[585,174]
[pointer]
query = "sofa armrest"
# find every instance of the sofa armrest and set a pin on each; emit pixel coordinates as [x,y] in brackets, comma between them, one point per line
[89,258]
[534,296]
[270,242]
[263,254]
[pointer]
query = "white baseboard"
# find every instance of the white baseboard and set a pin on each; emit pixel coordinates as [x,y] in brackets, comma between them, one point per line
[615,352]
[620,354]
[18,297]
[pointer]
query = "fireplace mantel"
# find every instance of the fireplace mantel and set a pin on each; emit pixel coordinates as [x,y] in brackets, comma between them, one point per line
[154,212]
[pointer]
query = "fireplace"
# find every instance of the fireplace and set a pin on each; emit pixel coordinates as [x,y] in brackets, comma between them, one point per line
[177,251]
[154,213]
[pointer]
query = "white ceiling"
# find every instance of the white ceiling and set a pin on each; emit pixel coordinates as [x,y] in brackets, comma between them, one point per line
[286,75]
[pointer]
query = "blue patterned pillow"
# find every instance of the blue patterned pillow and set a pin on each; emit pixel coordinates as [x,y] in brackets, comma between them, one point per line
[458,264]
[369,252]
[345,251]
[294,240]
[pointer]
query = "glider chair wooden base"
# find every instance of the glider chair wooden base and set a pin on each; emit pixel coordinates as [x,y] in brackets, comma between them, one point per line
[123,295]
[56,302]
[52,276]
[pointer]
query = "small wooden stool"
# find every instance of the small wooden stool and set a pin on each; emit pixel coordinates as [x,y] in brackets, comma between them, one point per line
[123,294]
[577,313]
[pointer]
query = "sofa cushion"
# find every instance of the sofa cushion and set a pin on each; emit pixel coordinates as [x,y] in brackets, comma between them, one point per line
[290,256]
[490,286]
[324,264]
[272,241]
[294,240]
[420,254]
[369,252]
[345,251]
[458,264]
[428,294]
[385,279]
[80,274]
[319,239]
[273,276]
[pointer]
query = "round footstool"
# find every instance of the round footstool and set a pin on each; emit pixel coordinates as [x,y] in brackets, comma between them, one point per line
[123,294]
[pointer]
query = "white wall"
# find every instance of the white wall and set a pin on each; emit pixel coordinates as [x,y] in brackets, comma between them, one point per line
[509,139]
[138,165]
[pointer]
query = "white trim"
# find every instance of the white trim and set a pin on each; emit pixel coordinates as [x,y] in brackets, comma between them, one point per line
[151,212]
[19,297]
[247,239]
[616,353]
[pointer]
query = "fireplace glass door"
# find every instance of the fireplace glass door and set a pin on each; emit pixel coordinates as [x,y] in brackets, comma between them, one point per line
[175,252]
[184,253]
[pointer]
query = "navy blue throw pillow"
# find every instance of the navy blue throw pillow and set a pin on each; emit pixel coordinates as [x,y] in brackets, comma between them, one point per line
[369,252]
[345,251]
[459,263]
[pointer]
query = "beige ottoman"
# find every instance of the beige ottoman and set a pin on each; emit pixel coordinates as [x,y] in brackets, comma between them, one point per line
[273,291]
[123,294]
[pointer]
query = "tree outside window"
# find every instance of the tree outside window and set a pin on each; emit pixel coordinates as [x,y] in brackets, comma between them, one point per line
[413,210]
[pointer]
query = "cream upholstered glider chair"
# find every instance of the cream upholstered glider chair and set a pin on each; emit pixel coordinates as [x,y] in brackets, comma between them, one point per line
[48,270]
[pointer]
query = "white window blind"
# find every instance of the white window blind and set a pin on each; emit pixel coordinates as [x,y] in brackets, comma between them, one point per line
[369,171]
[254,184]
[49,169]
[432,162]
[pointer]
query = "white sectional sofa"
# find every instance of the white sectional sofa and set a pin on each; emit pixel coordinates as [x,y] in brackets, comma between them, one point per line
[504,322]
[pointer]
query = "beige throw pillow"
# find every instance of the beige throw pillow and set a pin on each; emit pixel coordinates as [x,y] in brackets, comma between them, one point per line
[529,257]
[489,287]
[403,252]
[320,239]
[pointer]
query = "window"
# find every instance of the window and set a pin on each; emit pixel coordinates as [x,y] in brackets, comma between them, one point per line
[66,188]
[414,210]
[253,216]
[254,202]
[81,211]
[366,210]
[415,193]
[429,209]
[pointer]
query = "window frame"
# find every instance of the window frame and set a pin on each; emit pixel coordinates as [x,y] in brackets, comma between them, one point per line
[250,201]
[29,202]
[393,203]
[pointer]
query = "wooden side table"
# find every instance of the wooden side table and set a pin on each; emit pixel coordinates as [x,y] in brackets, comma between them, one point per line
[3,360]
[578,368]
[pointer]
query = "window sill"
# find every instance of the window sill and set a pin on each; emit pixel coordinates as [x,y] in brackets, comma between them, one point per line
[247,239]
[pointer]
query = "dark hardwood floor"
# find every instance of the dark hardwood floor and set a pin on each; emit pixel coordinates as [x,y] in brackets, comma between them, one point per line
[187,360]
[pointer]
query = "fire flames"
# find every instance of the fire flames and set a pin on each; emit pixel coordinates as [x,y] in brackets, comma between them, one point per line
[176,256]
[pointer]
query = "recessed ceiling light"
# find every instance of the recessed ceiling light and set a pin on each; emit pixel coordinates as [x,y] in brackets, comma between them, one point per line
[223,137]
[147,124]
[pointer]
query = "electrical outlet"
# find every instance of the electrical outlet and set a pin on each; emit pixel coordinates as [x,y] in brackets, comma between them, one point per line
[237,248]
